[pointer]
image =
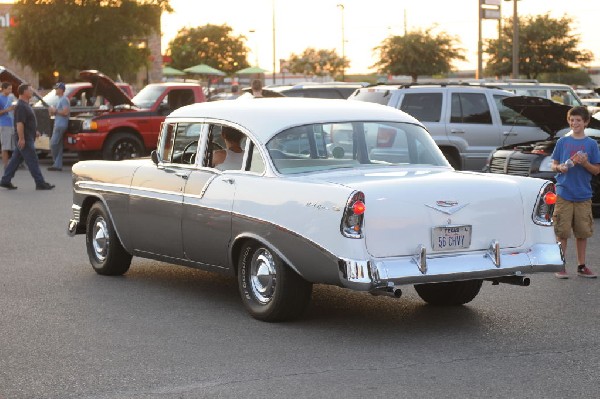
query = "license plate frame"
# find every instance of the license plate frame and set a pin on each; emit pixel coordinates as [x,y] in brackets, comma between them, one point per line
[451,237]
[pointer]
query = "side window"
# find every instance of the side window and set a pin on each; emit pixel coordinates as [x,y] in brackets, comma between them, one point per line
[226,148]
[470,108]
[426,107]
[510,117]
[257,164]
[179,98]
[185,143]
[165,147]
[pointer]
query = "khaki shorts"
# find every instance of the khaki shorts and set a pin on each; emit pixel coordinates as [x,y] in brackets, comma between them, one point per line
[7,138]
[575,216]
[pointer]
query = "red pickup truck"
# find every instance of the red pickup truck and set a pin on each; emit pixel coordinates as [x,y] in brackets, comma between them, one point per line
[128,128]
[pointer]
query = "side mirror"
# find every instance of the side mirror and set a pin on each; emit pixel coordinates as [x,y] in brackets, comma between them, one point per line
[155,158]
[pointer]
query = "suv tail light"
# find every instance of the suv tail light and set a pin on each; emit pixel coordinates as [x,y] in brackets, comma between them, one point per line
[544,206]
[354,213]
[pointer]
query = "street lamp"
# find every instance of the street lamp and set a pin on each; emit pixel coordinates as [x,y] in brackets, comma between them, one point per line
[515,49]
[341,6]
[255,51]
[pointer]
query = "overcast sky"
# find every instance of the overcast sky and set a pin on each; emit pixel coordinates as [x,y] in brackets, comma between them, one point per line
[318,24]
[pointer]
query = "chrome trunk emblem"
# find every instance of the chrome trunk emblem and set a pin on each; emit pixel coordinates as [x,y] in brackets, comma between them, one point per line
[446,206]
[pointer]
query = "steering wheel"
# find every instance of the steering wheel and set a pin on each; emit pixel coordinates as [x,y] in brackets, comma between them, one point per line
[192,157]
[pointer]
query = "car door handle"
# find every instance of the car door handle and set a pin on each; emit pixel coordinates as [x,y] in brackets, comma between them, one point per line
[183,175]
[509,133]
[456,131]
[228,180]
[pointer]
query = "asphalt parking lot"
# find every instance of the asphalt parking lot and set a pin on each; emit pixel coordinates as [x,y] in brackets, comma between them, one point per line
[164,331]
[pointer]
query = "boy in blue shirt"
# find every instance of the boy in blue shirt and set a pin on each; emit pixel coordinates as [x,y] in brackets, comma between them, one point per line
[576,158]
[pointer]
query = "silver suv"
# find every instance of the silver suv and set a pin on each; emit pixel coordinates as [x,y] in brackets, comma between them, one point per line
[467,122]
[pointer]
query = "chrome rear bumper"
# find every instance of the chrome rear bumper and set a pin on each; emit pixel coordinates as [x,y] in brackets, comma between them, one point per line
[424,268]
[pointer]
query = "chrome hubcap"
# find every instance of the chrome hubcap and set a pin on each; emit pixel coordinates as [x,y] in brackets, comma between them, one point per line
[100,239]
[263,277]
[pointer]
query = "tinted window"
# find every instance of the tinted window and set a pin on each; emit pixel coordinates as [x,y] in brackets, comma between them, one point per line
[470,108]
[426,107]
[510,117]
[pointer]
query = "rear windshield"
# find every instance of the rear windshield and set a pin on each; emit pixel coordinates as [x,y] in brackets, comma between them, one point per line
[372,96]
[327,146]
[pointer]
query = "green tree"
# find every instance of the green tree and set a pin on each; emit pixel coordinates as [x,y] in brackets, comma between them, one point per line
[213,45]
[314,62]
[418,52]
[545,45]
[70,35]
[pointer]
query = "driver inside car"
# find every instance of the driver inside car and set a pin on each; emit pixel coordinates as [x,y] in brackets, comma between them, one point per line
[232,156]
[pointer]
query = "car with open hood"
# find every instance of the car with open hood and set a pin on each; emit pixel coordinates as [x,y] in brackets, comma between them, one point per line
[94,92]
[126,128]
[533,158]
[289,211]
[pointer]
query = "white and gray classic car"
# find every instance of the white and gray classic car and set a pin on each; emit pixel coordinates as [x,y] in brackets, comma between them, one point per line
[351,194]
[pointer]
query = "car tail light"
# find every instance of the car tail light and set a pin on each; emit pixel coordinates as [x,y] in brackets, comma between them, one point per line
[544,206]
[354,213]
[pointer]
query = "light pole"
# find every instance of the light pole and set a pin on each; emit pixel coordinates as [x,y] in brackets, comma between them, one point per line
[515,49]
[341,6]
[255,51]
[274,57]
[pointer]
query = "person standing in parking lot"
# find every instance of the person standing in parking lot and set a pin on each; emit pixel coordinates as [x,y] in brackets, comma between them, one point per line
[61,121]
[26,127]
[7,132]
[576,158]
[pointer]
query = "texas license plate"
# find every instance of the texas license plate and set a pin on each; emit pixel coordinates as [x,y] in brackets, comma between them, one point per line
[451,237]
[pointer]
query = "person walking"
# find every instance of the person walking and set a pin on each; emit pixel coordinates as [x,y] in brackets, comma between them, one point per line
[61,121]
[26,127]
[576,158]
[7,132]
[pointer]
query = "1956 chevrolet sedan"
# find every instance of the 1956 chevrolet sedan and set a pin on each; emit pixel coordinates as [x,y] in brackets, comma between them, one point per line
[313,191]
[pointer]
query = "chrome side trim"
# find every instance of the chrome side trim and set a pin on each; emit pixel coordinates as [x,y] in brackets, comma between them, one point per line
[172,259]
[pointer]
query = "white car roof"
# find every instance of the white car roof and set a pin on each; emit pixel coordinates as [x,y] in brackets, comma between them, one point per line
[265,117]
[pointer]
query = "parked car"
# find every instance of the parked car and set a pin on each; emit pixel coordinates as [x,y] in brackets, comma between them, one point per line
[318,90]
[557,92]
[284,220]
[83,94]
[466,122]
[128,128]
[533,158]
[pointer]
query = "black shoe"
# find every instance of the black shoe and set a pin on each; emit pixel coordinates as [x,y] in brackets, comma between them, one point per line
[8,186]
[44,186]
[54,169]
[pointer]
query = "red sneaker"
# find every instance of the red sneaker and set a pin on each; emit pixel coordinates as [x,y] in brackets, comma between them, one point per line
[585,272]
[561,275]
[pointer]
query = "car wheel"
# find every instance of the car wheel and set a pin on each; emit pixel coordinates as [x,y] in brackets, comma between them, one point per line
[107,255]
[121,146]
[270,289]
[449,294]
[452,159]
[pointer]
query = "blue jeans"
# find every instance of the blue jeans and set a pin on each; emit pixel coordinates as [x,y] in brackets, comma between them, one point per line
[31,159]
[56,145]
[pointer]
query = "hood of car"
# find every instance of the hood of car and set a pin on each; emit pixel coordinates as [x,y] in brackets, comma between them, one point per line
[550,116]
[6,75]
[106,87]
